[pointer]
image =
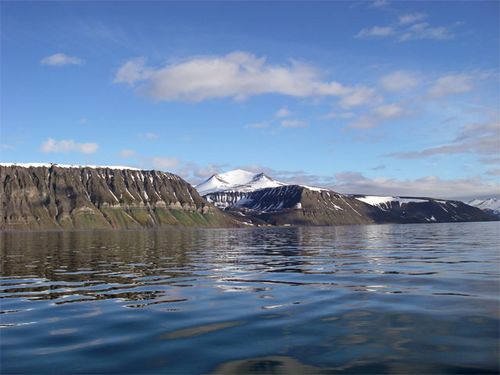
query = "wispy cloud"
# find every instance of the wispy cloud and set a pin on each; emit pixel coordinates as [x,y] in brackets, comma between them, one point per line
[378,115]
[51,145]
[408,27]
[478,138]
[451,84]
[237,75]
[294,123]
[405,19]
[283,112]
[380,3]
[61,59]
[376,32]
[424,30]
[360,96]
[400,81]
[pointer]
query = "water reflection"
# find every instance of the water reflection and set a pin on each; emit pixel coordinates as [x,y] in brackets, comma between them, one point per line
[355,299]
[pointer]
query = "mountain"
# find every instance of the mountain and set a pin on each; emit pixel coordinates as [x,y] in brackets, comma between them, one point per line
[236,180]
[490,205]
[279,204]
[51,196]
[421,210]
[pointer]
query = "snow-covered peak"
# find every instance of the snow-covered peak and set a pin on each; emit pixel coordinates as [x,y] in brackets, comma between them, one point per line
[237,176]
[486,204]
[48,165]
[236,180]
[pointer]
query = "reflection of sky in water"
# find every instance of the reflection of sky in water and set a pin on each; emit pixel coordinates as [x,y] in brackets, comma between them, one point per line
[383,297]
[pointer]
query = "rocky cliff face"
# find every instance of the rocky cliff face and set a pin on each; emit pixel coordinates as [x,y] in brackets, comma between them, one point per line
[54,197]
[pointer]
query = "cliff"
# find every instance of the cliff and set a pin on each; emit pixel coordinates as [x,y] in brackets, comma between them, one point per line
[56,197]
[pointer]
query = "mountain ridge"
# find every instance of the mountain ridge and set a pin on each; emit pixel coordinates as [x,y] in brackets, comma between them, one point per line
[295,204]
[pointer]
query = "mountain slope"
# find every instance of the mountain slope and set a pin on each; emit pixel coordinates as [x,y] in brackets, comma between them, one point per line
[490,205]
[69,197]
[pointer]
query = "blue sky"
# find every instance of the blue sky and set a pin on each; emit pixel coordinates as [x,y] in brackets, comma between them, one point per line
[364,97]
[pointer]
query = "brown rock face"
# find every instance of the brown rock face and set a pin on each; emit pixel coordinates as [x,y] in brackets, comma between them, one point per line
[93,198]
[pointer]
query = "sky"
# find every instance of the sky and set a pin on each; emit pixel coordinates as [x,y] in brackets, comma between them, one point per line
[372,97]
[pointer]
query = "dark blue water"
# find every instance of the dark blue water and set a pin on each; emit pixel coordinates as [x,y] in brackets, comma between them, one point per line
[356,299]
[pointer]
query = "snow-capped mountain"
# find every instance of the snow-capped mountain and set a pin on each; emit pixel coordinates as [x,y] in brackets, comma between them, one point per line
[491,204]
[263,200]
[236,180]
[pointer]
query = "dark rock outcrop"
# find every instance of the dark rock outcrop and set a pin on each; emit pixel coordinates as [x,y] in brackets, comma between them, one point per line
[53,197]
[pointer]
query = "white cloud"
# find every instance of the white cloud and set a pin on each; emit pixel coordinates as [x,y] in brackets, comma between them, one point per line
[377,116]
[166,163]
[294,123]
[451,84]
[60,59]
[282,112]
[51,145]
[406,29]
[131,72]
[409,18]
[388,111]
[426,31]
[477,138]
[376,32]
[380,3]
[359,96]
[237,75]
[338,115]
[399,81]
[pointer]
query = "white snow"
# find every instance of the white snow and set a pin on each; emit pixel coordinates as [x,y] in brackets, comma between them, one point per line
[379,201]
[48,165]
[374,200]
[237,180]
[489,204]
[314,188]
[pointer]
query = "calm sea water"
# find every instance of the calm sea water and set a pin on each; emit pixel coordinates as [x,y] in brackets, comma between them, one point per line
[355,299]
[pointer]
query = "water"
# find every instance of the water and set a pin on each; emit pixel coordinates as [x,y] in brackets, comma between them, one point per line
[354,299]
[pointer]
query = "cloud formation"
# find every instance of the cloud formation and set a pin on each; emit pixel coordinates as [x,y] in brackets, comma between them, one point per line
[400,81]
[451,84]
[478,138]
[237,75]
[282,112]
[408,27]
[51,145]
[378,115]
[294,123]
[408,18]
[376,32]
[60,59]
